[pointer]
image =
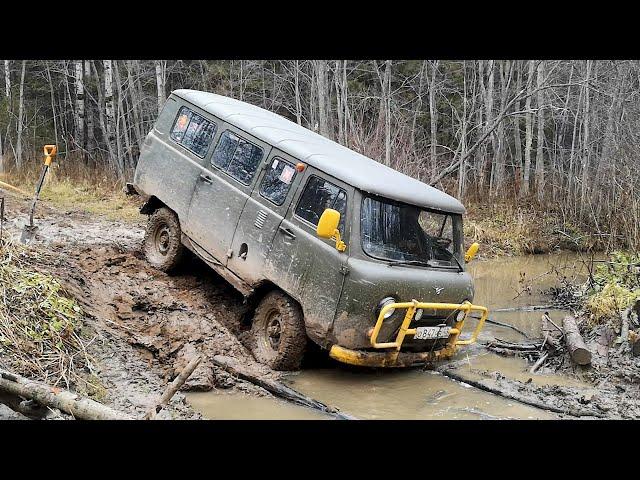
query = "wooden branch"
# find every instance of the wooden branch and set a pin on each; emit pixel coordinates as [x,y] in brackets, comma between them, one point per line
[539,362]
[550,337]
[173,388]
[80,407]
[580,354]
[277,388]
[542,406]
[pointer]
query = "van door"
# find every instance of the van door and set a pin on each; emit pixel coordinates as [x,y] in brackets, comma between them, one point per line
[222,189]
[262,214]
[309,268]
[173,154]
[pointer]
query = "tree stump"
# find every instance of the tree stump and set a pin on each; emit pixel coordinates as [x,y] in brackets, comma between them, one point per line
[580,354]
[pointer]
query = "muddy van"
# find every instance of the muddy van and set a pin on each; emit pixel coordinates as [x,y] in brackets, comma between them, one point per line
[329,245]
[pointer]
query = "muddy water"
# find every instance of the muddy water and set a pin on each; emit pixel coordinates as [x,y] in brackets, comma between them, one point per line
[417,394]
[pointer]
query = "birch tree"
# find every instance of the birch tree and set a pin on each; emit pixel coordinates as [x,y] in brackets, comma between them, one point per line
[20,124]
[79,113]
[161,68]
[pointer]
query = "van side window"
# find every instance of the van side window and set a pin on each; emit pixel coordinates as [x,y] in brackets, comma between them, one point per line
[237,157]
[319,194]
[193,131]
[277,181]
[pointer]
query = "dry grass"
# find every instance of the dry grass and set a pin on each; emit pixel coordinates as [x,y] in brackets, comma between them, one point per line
[509,228]
[40,326]
[99,194]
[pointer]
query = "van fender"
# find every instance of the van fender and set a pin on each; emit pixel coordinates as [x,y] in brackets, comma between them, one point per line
[152,204]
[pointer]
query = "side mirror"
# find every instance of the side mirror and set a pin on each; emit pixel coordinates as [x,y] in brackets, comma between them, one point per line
[328,227]
[473,249]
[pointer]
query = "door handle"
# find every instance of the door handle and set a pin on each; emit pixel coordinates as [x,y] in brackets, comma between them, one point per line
[287,232]
[206,178]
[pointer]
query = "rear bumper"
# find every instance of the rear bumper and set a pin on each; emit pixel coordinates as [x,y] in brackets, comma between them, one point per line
[391,356]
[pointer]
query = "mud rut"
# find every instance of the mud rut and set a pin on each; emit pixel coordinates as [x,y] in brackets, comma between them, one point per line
[144,326]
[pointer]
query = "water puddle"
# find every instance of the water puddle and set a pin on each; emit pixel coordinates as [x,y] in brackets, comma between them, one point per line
[240,406]
[417,394]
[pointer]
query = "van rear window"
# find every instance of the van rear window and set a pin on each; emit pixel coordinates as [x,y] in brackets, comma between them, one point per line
[193,131]
[319,195]
[237,157]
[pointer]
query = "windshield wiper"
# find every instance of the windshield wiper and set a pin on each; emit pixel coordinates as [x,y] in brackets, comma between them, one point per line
[412,262]
[451,255]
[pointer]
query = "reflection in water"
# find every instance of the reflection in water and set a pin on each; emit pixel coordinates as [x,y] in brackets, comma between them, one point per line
[416,394]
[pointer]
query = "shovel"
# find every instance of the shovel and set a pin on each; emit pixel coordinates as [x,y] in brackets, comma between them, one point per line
[29,231]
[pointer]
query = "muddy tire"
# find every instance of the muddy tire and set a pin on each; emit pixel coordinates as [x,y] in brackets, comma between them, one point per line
[278,337]
[162,246]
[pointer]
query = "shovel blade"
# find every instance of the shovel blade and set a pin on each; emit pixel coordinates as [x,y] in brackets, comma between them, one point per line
[28,232]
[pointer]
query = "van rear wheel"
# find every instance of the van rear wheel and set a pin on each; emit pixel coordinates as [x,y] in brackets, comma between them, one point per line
[278,336]
[162,246]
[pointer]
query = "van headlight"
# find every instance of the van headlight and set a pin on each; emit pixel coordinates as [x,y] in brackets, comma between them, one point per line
[383,303]
[460,315]
[418,314]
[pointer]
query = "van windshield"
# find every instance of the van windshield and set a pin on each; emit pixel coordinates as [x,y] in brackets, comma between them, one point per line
[406,233]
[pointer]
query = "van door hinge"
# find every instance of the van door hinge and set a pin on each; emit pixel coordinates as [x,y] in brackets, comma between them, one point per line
[344,269]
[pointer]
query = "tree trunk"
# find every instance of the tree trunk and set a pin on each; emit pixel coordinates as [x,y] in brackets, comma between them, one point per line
[517,137]
[296,78]
[53,105]
[433,117]
[135,104]
[7,79]
[113,158]
[528,132]
[20,117]
[387,113]
[108,98]
[586,147]
[321,82]
[580,354]
[161,67]
[539,153]
[79,113]
[69,402]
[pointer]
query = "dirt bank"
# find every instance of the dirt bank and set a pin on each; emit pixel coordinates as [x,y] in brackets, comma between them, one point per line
[142,326]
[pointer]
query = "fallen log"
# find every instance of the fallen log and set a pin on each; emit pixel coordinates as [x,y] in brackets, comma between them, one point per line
[542,406]
[578,350]
[173,388]
[526,308]
[277,388]
[79,407]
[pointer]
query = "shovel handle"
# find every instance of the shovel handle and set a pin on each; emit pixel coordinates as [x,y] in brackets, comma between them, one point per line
[49,154]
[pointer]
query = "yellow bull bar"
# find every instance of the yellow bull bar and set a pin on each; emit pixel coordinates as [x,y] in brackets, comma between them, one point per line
[391,358]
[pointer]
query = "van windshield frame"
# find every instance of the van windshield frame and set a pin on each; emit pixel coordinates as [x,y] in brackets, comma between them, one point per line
[402,233]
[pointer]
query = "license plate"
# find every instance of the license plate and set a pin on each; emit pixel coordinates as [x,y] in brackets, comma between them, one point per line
[428,333]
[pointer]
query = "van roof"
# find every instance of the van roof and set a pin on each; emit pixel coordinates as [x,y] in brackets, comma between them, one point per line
[332,158]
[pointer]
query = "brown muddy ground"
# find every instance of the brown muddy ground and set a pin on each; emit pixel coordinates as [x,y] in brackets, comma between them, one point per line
[142,326]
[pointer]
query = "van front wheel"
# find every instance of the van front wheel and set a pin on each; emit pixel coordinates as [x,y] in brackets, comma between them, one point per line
[162,246]
[278,336]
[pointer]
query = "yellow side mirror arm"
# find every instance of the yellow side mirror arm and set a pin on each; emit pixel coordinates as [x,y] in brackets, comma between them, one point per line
[340,245]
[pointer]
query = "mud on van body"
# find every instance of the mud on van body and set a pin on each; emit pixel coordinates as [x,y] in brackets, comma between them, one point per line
[333,246]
